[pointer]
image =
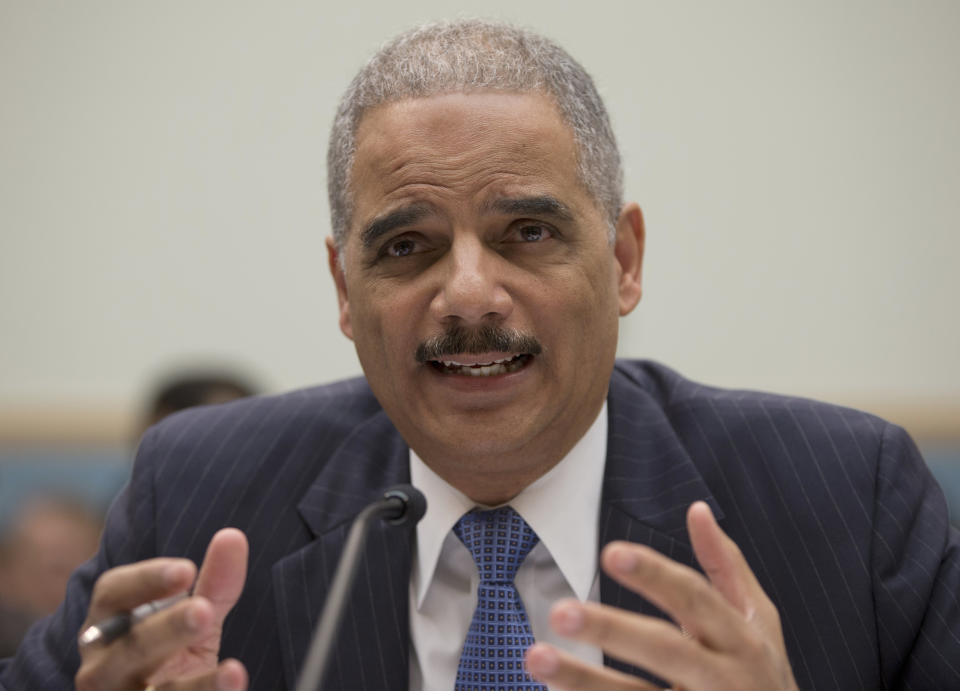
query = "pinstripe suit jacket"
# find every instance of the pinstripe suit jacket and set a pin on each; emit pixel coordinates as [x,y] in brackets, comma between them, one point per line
[834,509]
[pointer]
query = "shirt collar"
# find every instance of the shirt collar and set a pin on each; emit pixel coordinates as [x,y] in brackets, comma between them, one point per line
[562,506]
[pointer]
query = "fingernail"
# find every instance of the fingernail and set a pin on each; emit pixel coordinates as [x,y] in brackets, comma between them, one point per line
[225,683]
[569,618]
[542,661]
[230,676]
[192,618]
[624,560]
[199,614]
[176,574]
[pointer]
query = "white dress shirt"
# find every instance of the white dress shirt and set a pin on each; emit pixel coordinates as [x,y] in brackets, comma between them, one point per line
[562,507]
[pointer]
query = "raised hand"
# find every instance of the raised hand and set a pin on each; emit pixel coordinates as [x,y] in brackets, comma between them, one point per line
[726,635]
[176,648]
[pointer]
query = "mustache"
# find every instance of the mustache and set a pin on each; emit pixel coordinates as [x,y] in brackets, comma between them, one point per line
[484,339]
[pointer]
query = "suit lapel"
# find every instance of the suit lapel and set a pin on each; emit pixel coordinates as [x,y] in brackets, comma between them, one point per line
[371,651]
[649,482]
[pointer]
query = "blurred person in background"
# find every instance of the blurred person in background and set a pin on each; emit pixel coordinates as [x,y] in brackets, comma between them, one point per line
[47,540]
[189,388]
[52,534]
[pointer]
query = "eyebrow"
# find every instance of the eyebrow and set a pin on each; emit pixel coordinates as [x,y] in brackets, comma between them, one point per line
[397,218]
[541,205]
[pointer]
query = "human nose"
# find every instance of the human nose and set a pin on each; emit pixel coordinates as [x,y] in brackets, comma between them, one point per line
[472,289]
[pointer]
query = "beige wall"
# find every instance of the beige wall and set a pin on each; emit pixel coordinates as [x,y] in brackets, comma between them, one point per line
[162,189]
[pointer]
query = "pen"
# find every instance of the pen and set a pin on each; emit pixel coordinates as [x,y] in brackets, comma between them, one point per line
[110,629]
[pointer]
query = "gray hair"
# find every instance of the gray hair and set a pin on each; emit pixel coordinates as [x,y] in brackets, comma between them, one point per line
[474,55]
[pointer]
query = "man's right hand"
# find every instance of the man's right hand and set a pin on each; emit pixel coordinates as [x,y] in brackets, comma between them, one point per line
[177,648]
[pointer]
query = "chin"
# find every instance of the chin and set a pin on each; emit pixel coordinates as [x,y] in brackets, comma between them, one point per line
[473,440]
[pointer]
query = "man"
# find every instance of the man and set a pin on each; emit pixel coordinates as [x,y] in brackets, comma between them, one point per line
[48,538]
[482,257]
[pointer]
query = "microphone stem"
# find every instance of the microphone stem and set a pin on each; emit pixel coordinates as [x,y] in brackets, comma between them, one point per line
[318,657]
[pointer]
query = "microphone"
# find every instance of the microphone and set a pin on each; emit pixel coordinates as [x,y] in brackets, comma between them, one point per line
[400,505]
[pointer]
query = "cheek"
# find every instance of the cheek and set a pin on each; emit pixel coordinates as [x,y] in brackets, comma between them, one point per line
[384,322]
[368,329]
[596,293]
[597,309]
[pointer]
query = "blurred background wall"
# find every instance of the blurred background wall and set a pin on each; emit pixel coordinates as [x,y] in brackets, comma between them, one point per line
[163,203]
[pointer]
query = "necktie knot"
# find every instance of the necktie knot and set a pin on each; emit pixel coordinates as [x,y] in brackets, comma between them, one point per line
[499,540]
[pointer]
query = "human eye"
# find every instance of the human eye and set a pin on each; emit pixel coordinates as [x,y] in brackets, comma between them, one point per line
[400,247]
[529,232]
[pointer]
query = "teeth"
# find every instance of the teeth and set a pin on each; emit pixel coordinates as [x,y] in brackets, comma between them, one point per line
[488,369]
[454,363]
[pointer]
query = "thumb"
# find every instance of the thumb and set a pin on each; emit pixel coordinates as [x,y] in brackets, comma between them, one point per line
[224,571]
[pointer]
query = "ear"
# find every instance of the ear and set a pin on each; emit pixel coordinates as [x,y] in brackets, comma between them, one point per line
[339,279]
[628,251]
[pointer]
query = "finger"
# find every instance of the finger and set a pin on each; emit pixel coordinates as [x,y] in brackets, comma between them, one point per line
[730,574]
[559,669]
[721,559]
[230,675]
[141,651]
[122,588]
[653,644]
[224,570]
[679,591]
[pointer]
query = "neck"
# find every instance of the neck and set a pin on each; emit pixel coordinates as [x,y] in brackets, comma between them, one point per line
[489,488]
[495,475]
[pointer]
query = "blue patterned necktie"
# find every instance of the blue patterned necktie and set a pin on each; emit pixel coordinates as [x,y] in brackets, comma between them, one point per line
[499,633]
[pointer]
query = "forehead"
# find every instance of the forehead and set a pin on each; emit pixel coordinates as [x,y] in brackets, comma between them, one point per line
[457,145]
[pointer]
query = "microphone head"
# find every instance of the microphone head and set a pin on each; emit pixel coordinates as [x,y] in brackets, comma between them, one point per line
[414,504]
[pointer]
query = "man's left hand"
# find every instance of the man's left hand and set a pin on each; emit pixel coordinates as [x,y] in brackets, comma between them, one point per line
[727,633]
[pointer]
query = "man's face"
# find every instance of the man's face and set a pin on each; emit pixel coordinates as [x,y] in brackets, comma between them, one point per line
[470,222]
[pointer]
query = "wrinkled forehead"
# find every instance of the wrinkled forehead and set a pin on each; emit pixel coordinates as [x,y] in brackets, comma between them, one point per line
[461,137]
[444,123]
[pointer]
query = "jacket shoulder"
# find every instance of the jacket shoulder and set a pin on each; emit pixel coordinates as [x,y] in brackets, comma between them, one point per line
[730,411]
[219,462]
[323,411]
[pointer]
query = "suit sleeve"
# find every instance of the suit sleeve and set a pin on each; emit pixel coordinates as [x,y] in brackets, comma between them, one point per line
[916,567]
[48,657]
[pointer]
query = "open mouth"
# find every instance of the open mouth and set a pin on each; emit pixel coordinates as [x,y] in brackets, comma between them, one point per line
[493,368]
